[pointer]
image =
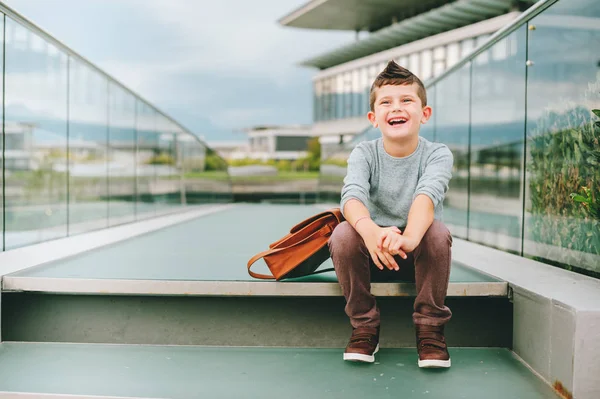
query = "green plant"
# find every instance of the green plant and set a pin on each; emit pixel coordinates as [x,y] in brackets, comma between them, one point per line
[565,158]
[590,206]
[162,159]
[213,162]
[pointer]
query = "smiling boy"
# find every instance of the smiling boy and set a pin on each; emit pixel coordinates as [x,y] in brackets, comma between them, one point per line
[392,202]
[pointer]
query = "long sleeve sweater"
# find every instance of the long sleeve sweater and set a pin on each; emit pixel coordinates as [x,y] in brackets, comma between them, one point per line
[388,185]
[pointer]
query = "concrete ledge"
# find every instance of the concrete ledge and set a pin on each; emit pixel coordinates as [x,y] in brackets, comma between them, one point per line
[34,255]
[227,288]
[556,314]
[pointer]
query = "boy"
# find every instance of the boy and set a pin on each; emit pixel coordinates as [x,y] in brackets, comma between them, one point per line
[392,202]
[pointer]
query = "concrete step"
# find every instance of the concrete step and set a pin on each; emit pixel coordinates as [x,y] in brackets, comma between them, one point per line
[187,283]
[37,370]
[241,321]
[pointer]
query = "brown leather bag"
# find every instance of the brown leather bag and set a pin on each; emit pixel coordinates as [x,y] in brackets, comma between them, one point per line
[301,251]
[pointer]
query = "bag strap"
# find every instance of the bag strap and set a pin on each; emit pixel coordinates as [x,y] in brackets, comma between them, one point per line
[335,212]
[322,231]
[254,259]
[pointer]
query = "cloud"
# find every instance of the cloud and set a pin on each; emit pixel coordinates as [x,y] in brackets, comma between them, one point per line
[217,65]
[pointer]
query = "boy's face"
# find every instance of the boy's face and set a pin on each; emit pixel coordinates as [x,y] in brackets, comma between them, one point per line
[398,111]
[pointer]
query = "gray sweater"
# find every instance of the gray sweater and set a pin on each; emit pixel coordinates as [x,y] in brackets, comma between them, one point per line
[387,185]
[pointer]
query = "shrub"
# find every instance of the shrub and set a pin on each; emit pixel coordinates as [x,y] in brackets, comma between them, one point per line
[564,181]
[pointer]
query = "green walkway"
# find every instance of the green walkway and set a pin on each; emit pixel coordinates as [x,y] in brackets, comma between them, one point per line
[216,372]
[215,247]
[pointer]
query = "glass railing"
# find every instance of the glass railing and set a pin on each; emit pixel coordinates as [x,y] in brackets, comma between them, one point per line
[81,152]
[517,115]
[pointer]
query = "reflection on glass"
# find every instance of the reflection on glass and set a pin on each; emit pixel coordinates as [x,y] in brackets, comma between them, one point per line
[497,132]
[121,155]
[88,136]
[1,141]
[452,128]
[563,174]
[331,175]
[168,184]
[35,138]
[205,175]
[146,157]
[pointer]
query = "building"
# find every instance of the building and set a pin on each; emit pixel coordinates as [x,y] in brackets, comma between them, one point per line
[272,142]
[425,37]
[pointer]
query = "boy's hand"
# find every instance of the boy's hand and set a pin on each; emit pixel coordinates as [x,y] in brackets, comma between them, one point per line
[399,245]
[388,238]
[381,257]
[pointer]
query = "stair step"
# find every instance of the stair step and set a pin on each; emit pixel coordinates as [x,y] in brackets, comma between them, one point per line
[38,369]
[207,256]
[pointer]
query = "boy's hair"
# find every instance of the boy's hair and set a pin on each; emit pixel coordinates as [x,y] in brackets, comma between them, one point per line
[394,74]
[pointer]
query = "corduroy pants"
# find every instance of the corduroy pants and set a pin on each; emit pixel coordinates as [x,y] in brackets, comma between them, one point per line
[428,266]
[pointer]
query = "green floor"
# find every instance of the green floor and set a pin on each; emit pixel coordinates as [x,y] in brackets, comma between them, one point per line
[214,372]
[212,247]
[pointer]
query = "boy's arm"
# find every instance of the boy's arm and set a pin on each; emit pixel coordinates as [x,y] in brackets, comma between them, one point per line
[430,191]
[420,218]
[355,195]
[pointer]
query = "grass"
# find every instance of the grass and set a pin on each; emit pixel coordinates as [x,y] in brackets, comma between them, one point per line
[281,176]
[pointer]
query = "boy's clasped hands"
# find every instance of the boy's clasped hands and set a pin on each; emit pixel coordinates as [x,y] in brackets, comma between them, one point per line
[389,241]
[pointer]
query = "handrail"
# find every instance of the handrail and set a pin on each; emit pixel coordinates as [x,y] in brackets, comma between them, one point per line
[531,12]
[46,36]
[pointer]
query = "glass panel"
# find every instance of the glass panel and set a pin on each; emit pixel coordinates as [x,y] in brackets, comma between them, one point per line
[426,65]
[452,128]
[339,96]
[466,46]
[121,166]
[452,54]
[356,93]
[88,138]
[496,202]
[562,146]
[403,61]
[168,184]
[1,138]
[333,100]
[147,157]
[413,64]
[35,138]
[205,173]
[348,95]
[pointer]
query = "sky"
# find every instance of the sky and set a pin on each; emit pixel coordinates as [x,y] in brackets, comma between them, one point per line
[214,66]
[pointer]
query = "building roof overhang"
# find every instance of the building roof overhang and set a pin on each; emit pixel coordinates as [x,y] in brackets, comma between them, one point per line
[355,15]
[445,17]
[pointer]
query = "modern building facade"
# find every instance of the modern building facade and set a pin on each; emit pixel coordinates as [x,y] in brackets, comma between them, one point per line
[286,142]
[426,39]
[513,98]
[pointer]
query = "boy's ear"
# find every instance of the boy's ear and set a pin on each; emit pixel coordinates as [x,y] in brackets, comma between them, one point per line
[426,114]
[371,116]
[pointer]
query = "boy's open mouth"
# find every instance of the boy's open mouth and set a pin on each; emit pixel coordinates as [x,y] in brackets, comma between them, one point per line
[397,121]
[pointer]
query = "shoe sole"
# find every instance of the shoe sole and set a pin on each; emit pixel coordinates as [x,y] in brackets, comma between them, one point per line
[434,364]
[359,357]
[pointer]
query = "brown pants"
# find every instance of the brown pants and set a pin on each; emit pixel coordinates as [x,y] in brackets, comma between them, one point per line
[428,265]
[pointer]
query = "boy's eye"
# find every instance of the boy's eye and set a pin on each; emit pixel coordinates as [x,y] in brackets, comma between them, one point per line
[385,102]
[407,100]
